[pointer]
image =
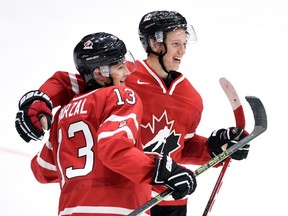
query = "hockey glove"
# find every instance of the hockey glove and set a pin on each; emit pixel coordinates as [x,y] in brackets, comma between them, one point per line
[174,176]
[222,139]
[32,106]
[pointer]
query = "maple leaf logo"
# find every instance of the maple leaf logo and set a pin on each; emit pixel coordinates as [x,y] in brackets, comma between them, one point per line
[159,136]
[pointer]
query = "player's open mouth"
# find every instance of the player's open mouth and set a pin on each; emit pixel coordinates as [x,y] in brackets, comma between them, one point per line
[177,59]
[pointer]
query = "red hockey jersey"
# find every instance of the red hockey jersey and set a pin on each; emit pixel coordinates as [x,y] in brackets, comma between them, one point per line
[94,152]
[170,118]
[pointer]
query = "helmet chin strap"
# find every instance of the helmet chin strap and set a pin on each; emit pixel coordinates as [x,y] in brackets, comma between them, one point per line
[168,80]
[161,61]
[160,57]
[109,84]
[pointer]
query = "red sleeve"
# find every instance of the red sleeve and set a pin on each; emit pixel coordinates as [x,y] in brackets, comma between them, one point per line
[62,86]
[43,166]
[196,151]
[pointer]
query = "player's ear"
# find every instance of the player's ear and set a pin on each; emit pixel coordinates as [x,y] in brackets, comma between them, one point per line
[97,73]
[99,77]
[154,45]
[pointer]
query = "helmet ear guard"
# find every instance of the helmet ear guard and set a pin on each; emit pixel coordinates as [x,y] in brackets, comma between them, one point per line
[105,70]
[159,36]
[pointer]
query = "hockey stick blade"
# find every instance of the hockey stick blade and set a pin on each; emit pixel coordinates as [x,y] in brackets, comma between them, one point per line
[260,126]
[258,112]
[234,100]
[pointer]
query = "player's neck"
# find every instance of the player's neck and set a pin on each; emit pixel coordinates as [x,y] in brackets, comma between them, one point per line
[153,63]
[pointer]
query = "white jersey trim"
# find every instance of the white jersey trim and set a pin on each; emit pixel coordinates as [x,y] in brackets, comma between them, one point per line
[45,164]
[74,83]
[175,84]
[97,209]
[154,76]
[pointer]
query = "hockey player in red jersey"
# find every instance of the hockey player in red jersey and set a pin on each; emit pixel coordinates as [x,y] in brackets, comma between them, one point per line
[172,107]
[94,149]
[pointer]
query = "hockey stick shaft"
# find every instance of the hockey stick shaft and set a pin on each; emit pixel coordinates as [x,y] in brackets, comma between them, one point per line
[239,116]
[217,187]
[260,118]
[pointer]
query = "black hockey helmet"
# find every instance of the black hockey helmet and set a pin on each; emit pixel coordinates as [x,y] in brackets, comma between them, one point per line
[161,21]
[98,50]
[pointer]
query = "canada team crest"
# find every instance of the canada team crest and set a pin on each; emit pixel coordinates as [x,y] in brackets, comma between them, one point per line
[159,136]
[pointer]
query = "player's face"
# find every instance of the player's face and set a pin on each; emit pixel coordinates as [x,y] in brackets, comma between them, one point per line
[176,46]
[119,72]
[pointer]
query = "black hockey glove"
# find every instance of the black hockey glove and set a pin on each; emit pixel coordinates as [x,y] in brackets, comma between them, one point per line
[174,176]
[222,139]
[32,106]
